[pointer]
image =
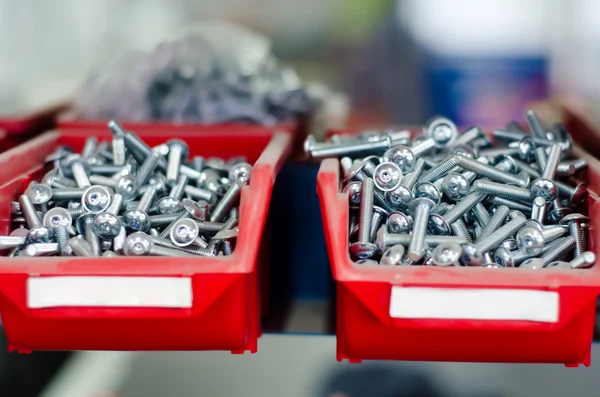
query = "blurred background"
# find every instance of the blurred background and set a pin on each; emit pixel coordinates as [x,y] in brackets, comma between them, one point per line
[477,62]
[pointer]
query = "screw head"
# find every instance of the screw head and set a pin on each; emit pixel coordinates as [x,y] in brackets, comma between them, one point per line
[470,256]
[363,250]
[544,188]
[576,217]
[509,162]
[40,234]
[532,263]
[398,222]
[353,190]
[106,226]
[366,262]
[387,176]
[356,167]
[510,244]
[558,265]
[464,150]
[136,220]
[437,225]
[393,255]
[527,150]
[240,172]
[399,197]
[185,150]
[127,187]
[184,232]
[57,217]
[309,143]
[557,214]
[579,196]
[159,181]
[530,240]
[427,190]
[402,156]
[169,205]
[447,254]
[442,130]
[198,210]
[229,234]
[95,199]
[138,244]
[503,256]
[39,194]
[455,186]
[69,161]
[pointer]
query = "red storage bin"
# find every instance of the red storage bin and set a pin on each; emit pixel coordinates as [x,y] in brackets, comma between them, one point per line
[394,312]
[32,122]
[141,303]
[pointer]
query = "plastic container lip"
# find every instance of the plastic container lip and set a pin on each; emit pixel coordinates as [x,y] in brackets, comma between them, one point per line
[335,209]
[252,203]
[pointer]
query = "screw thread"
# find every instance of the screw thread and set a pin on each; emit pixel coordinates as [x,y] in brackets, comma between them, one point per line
[29,211]
[228,225]
[496,237]
[416,247]
[486,170]
[409,180]
[106,169]
[227,201]
[81,247]
[375,223]
[89,149]
[179,189]
[227,247]
[147,199]
[578,233]
[62,238]
[325,151]
[460,229]
[174,163]
[534,124]
[93,239]
[481,214]
[499,189]
[167,251]
[80,175]
[558,248]
[103,180]
[118,150]
[439,170]
[73,193]
[165,233]
[163,219]
[454,213]
[498,201]
[366,210]
[199,194]
[430,239]
[552,162]
[147,168]
[381,201]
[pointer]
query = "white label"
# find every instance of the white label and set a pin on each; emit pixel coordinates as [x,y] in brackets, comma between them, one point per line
[474,304]
[84,291]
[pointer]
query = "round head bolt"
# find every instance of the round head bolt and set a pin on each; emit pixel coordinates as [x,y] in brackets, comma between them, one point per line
[353,190]
[574,218]
[227,238]
[169,205]
[504,257]
[544,188]
[57,217]
[95,199]
[527,150]
[465,150]
[427,190]
[240,172]
[532,263]
[178,151]
[507,164]
[437,225]
[579,196]
[530,240]
[135,220]
[39,194]
[399,223]
[447,254]
[442,130]
[470,255]
[40,234]
[363,250]
[387,176]
[392,256]
[127,187]
[455,186]
[184,232]
[198,210]
[400,197]
[138,244]
[402,156]
[355,171]
[106,226]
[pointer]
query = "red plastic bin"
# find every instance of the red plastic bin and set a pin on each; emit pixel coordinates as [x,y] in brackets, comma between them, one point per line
[208,303]
[392,313]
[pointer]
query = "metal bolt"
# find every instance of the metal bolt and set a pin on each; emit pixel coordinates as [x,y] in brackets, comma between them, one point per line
[392,256]
[440,224]
[363,248]
[577,230]
[139,244]
[447,254]
[228,201]
[419,210]
[385,239]
[545,186]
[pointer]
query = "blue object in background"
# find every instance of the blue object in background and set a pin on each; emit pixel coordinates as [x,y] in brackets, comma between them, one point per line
[487,91]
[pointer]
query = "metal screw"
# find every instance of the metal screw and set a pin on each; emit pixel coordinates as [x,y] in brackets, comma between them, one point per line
[363,248]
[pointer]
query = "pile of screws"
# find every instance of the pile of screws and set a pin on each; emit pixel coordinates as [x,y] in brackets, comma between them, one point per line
[125,198]
[449,199]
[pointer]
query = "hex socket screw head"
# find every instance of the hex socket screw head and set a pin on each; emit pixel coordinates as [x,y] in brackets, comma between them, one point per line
[353,190]
[39,194]
[455,186]
[95,199]
[184,232]
[387,176]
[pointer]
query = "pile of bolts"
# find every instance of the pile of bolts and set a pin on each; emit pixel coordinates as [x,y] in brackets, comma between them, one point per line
[121,197]
[449,199]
